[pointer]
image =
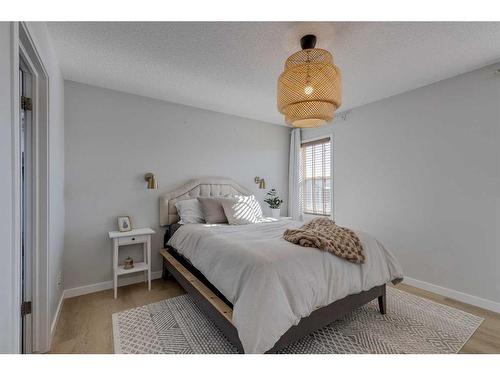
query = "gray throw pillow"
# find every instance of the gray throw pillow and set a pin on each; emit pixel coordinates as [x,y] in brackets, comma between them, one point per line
[212,210]
[189,211]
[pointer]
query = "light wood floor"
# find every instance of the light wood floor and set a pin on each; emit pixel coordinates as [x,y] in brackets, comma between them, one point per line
[85,322]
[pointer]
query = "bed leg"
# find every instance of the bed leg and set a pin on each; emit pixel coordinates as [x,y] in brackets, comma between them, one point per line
[165,274]
[382,302]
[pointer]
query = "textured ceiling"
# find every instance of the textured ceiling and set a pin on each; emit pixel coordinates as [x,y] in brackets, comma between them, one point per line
[232,67]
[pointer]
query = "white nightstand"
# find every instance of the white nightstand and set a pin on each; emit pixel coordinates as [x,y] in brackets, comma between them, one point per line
[134,236]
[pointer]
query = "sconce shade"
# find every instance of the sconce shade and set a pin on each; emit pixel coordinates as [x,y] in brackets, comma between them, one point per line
[310,88]
[151,179]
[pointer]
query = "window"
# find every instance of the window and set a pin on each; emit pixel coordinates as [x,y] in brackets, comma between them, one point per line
[317,177]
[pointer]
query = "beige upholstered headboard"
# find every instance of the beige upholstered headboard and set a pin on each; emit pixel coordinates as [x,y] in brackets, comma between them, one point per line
[202,187]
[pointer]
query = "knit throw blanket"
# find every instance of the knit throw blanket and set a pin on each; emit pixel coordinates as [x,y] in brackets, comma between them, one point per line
[324,234]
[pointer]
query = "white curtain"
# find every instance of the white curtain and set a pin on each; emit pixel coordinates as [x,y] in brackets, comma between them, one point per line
[295,177]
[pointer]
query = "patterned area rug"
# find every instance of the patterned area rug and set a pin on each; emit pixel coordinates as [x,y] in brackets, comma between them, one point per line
[411,325]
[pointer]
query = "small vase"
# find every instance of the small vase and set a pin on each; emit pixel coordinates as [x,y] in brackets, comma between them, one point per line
[128,263]
[275,212]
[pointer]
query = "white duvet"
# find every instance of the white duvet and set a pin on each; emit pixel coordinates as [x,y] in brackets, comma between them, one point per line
[273,283]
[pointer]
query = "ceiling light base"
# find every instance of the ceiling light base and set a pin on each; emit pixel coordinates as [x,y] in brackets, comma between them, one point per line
[308,41]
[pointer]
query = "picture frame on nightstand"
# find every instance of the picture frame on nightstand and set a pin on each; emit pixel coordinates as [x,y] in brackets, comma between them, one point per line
[124,224]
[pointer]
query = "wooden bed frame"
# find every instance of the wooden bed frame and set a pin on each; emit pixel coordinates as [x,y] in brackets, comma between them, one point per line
[220,310]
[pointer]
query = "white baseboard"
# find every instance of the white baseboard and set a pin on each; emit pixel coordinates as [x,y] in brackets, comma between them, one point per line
[56,317]
[446,292]
[454,294]
[105,285]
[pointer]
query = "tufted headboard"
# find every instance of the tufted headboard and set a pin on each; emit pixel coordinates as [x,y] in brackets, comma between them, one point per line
[202,187]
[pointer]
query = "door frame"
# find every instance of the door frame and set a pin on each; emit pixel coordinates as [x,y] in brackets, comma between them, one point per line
[23,45]
[27,213]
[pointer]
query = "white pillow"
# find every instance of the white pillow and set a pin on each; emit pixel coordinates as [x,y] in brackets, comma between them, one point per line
[189,211]
[242,209]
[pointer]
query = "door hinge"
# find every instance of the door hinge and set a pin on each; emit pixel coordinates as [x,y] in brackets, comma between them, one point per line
[26,103]
[26,308]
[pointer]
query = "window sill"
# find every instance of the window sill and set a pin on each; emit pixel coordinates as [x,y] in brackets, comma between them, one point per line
[316,214]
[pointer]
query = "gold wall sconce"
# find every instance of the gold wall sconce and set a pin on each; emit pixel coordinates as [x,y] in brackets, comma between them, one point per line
[151,179]
[261,182]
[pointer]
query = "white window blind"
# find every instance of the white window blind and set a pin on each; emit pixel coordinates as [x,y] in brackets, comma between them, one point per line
[316,177]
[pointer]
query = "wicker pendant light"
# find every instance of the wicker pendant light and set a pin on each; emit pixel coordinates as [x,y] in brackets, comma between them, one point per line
[310,88]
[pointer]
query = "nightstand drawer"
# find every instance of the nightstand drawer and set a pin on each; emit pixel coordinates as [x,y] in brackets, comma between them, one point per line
[132,239]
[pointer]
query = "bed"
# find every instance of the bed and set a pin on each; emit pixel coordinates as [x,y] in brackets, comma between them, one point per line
[263,292]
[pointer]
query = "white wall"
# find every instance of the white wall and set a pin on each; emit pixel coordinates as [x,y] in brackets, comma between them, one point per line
[421,172]
[9,332]
[114,138]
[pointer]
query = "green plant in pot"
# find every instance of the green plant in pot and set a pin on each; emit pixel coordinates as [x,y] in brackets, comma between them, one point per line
[274,201]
